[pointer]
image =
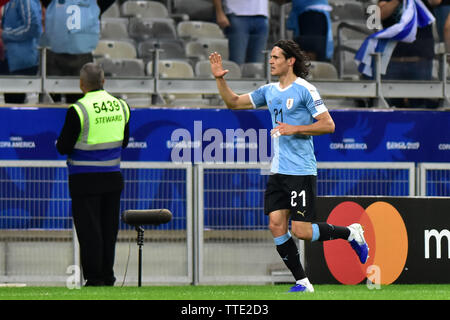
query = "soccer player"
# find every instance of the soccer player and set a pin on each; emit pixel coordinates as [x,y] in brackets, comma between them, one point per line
[297,113]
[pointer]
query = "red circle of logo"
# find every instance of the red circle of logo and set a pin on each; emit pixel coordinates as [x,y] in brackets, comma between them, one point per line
[386,236]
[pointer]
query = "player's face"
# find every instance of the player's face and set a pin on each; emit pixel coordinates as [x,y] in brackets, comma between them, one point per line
[279,65]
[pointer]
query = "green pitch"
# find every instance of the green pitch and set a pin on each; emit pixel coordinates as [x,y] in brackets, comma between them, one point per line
[241,292]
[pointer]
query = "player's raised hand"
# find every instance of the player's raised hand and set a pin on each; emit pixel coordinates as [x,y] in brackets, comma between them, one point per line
[216,65]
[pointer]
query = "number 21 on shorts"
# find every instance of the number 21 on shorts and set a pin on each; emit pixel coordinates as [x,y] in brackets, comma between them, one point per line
[295,195]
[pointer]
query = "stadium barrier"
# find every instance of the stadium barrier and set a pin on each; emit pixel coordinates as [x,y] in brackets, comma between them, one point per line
[218,234]
[434,179]
[146,86]
[154,86]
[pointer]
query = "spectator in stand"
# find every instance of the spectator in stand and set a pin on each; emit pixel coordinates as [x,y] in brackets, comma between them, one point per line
[311,23]
[409,61]
[20,32]
[442,14]
[246,25]
[72,32]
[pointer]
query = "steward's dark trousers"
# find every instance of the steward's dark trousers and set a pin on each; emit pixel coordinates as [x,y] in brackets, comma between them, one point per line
[96,219]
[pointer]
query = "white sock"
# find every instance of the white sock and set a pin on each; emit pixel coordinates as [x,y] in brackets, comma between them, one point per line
[304,282]
[352,233]
[350,237]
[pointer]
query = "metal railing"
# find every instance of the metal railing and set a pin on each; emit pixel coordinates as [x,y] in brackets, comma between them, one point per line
[219,231]
[154,86]
[434,179]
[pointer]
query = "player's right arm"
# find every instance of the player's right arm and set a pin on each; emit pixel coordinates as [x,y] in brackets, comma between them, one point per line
[231,99]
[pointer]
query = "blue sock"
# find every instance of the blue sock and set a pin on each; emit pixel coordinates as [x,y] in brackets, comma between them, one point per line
[282,239]
[315,232]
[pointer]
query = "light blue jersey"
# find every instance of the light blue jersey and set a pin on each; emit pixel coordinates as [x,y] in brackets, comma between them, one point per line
[297,104]
[72,26]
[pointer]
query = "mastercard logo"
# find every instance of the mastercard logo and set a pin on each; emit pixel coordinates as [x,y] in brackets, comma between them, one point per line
[386,236]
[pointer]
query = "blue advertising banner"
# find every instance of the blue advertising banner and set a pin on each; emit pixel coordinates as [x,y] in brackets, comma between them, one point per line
[387,135]
[205,135]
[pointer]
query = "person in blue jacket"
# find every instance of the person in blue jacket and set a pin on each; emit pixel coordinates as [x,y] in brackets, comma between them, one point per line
[311,23]
[72,32]
[21,31]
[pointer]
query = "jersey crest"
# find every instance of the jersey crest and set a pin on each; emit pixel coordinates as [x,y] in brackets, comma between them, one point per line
[289,103]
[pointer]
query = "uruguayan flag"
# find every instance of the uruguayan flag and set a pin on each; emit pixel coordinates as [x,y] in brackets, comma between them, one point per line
[415,14]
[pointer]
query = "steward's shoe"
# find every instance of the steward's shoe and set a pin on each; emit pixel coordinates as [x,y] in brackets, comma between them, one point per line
[358,243]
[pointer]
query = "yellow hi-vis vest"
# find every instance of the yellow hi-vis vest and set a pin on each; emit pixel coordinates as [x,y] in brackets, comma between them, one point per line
[99,145]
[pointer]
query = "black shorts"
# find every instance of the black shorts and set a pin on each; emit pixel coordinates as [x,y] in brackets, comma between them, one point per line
[296,193]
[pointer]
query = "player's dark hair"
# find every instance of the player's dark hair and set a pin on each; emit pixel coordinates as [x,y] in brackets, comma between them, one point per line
[292,49]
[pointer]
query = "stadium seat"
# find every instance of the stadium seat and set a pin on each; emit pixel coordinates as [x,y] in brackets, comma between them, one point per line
[112,12]
[144,9]
[349,69]
[253,70]
[122,67]
[192,30]
[171,49]
[114,28]
[196,9]
[201,49]
[115,49]
[347,10]
[203,69]
[323,71]
[177,69]
[172,69]
[143,29]
[347,33]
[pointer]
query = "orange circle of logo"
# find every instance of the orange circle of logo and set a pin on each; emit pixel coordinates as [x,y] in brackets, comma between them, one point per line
[386,236]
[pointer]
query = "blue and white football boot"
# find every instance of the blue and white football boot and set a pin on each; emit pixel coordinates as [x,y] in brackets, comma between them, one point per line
[358,243]
[302,286]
